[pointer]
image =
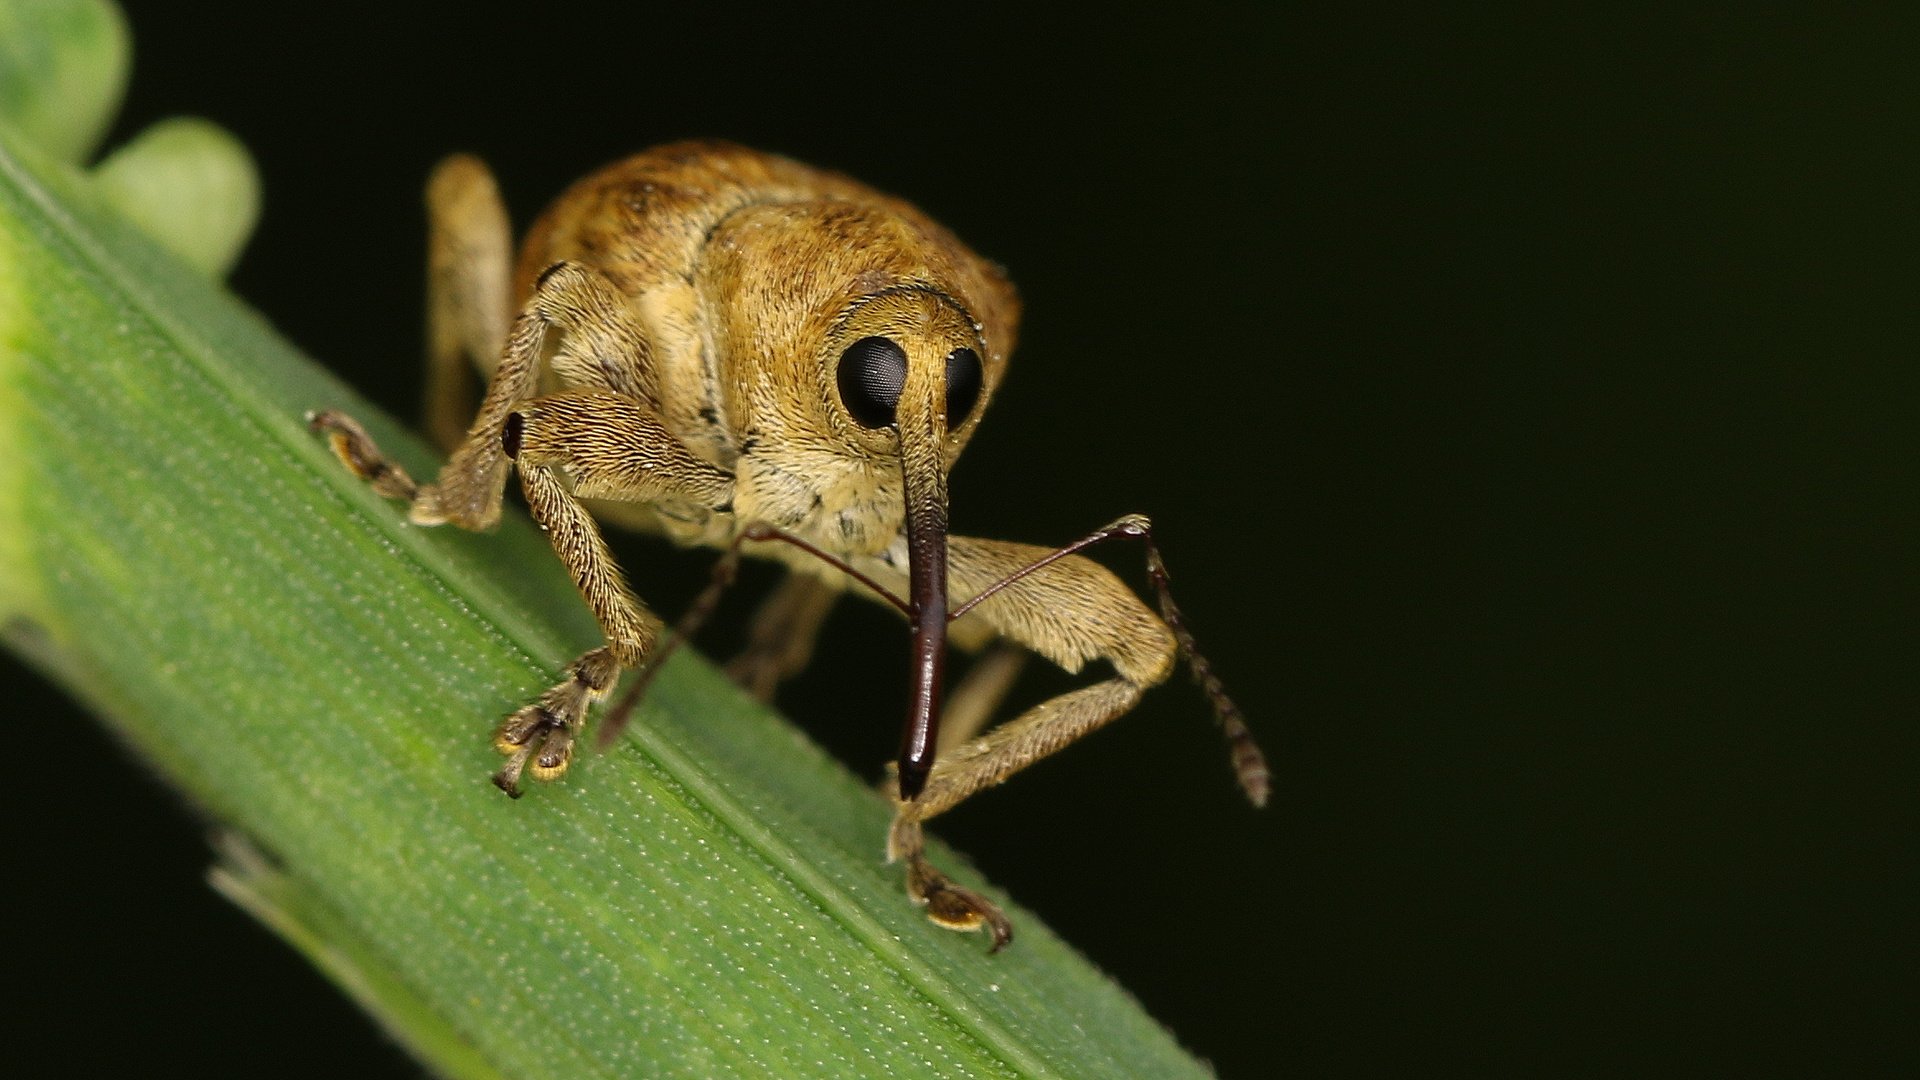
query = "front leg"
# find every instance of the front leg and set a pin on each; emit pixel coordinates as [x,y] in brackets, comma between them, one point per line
[569,298]
[602,443]
[609,447]
[1070,610]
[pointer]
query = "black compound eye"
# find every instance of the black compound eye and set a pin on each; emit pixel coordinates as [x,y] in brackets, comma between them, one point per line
[963,386]
[872,372]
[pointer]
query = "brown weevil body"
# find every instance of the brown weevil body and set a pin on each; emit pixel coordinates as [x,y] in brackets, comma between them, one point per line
[742,352]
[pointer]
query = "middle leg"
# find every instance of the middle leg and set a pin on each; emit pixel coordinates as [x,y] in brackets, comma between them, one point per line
[781,638]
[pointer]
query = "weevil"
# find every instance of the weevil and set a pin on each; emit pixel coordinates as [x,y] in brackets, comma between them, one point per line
[742,352]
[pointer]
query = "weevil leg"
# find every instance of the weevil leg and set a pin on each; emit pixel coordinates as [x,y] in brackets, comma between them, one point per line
[1070,610]
[362,457]
[469,263]
[948,905]
[981,763]
[542,734]
[469,488]
[1018,743]
[593,443]
[1062,583]
[604,446]
[468,491]
[781,637]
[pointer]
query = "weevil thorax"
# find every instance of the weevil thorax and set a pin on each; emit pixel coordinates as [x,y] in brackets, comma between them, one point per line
[851,371]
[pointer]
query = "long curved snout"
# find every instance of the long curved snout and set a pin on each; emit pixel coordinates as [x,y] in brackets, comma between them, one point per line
[923,466]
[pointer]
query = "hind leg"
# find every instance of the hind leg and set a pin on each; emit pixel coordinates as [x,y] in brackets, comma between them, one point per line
[469,262]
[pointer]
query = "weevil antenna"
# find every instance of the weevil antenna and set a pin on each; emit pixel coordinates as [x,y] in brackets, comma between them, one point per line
[697,613]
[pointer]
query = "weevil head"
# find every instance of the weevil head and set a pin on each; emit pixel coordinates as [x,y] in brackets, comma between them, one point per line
[906,376]
[857,346]
[908,373]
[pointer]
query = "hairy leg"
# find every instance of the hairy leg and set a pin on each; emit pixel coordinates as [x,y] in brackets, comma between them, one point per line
[1072,611]
[592,443]
[607,446]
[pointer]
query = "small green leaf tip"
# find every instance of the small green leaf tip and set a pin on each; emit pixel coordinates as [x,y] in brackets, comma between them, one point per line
[63,67]
[190,184]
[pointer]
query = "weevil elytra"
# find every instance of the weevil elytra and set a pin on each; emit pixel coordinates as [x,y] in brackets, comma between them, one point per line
[739,351]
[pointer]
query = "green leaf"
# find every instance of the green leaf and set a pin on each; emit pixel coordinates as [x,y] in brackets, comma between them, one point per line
[63,66]
[707,899]
[190,185]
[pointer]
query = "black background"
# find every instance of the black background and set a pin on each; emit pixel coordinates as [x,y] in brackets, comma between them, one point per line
[1527,405]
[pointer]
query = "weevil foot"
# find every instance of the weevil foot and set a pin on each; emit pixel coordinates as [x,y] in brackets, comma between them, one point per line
[948,905]
[534,737]
[540,737]
[954,907]
[358,452]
